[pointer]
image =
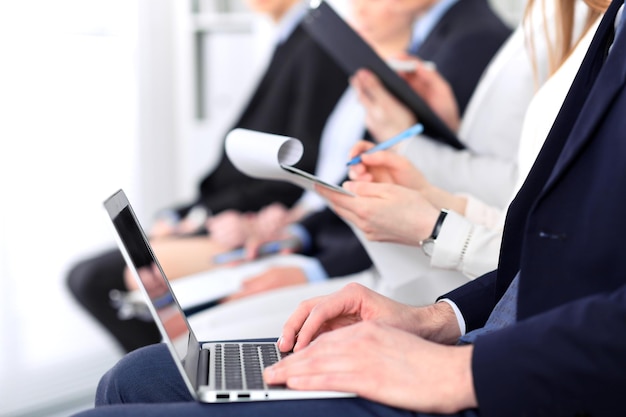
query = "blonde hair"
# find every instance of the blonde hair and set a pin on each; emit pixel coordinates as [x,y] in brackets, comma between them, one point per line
[562,43]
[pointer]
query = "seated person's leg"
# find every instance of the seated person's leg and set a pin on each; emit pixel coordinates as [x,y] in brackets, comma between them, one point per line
[90,282]
[182,256]
[147,383]
[338,407]
[148,374]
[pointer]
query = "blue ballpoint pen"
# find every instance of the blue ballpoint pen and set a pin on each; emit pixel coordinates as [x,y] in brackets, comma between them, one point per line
[412,131]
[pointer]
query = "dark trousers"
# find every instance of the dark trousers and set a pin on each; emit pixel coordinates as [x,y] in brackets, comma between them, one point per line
[147,383]
[90,282]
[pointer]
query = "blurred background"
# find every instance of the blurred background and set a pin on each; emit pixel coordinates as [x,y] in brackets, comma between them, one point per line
[97,95]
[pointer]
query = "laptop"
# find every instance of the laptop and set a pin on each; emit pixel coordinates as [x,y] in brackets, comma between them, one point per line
[219,371]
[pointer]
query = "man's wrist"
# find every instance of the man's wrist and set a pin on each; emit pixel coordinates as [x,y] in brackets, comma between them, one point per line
[437,322]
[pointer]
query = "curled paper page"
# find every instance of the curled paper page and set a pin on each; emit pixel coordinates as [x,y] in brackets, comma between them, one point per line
[266,156]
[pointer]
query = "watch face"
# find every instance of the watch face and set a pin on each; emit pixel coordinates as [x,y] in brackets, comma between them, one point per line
[428,246]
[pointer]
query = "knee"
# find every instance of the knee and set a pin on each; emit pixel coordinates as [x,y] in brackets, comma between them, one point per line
[143,375]
[82,279]
[109,391]
[90,278]
[118,384]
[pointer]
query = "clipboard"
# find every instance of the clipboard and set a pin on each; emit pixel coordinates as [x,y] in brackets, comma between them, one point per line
[351,52]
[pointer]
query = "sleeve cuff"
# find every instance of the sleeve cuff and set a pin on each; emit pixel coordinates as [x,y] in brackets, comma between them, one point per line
[459,316]
[314,271]
[302,234]
[452,242]
[312,268]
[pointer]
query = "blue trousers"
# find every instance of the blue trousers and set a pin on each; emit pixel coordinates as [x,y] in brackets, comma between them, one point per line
[146,382]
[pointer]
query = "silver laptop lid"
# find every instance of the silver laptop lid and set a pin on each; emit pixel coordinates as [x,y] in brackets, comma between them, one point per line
[164,307]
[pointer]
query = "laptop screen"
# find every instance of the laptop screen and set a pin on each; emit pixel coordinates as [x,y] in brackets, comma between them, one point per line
[164,307]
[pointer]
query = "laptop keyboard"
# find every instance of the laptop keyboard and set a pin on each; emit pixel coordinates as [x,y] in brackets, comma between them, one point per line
[240,366]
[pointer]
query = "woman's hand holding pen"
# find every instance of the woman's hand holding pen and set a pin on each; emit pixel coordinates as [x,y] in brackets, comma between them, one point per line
[384,212]
[391,168]
[385,167]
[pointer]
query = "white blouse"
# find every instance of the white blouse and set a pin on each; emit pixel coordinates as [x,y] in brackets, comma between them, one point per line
[471,244]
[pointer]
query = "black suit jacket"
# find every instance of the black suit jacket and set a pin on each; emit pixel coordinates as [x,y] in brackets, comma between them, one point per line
[334,244]
[462,44]
[566,355]
[294,98]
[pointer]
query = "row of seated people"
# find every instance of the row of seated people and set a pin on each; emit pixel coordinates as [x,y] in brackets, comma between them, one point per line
[483,184]
[539,331]
[458,37]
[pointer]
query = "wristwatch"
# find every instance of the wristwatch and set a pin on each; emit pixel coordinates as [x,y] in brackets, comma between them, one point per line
[428,244]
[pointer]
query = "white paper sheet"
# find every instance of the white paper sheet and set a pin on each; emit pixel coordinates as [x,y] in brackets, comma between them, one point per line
[267,156]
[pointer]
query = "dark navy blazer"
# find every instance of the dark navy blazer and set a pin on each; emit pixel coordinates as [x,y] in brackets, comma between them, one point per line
[565,232]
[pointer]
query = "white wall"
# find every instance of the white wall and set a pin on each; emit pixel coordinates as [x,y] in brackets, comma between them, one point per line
[68,132]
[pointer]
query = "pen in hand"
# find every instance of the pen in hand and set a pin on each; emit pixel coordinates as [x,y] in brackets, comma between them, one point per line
[412,131]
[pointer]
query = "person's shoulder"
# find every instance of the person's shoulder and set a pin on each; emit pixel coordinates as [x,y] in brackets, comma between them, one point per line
[473,22]
[477,15]
[299,43]
[304,42]
[306,52]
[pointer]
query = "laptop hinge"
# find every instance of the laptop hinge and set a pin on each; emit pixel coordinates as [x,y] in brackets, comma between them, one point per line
[203,367]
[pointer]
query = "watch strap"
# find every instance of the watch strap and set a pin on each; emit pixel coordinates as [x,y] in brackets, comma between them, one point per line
[438,224]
